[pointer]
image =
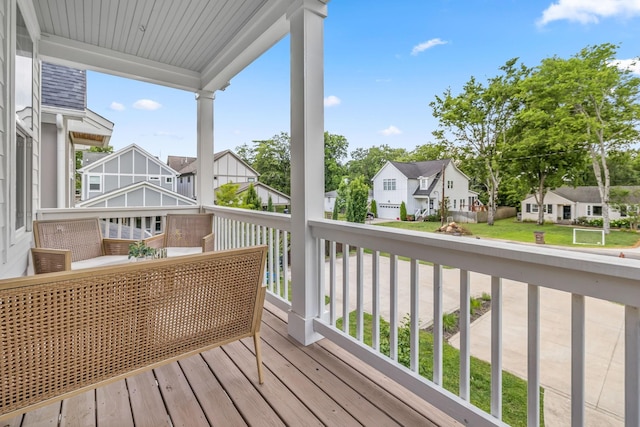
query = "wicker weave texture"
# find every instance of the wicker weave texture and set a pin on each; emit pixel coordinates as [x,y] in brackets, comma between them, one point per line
[81,236]
[68,331]
[187,230]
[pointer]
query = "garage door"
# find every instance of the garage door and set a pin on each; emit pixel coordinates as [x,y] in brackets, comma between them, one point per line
[388,211]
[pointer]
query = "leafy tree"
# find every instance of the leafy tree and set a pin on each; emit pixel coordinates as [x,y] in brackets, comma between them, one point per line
[480,118]
[432,151]
[626,201]
[271,158]
[367,162]
[374,208]
[227,195]
[544,153]
[605,103]
[341,199]
[624,169]
[334,214]
[335,151]
[250,199]
[270,207]
[403,211]
[357,200]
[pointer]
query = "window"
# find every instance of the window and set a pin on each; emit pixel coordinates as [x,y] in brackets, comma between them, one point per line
[189,178]
[549,209]
[534,208]
[168,180]
[154,178]
[95,183]
[623,210]
[24,73]
[449,184]
[454,203]
[528,208]
[424,183]
[597,210]
[180,180]
[389,184]
[23,157]
[252,179]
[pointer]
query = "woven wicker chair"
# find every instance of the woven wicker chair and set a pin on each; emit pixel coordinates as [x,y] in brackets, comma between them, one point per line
[60,243]
[186,231]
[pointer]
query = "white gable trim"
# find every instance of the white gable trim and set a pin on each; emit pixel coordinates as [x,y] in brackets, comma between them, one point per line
[123,191]
[126,149]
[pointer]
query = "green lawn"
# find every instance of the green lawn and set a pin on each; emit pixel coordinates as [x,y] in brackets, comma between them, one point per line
[514,389]
[509,229]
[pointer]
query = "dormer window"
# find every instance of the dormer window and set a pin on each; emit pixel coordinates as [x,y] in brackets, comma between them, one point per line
[424,183]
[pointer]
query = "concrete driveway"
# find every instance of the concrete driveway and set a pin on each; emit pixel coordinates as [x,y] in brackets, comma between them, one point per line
[604,335]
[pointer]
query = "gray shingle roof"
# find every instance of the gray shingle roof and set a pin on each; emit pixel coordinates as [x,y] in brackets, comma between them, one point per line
[590,194]
[63,87]
[414,170]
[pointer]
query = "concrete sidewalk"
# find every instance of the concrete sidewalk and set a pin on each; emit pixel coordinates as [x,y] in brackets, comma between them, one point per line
[604,335]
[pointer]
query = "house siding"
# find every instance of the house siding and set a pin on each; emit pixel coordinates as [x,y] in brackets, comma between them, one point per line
[4,135]
[389,201]
[228,168]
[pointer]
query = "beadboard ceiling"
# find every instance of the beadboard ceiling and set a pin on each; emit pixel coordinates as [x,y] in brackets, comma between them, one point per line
[190,44]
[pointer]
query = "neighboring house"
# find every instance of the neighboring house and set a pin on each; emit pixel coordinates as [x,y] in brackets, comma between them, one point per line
[125,167]
[227,167]
[420,186]
[330,200]
[567,204]
[67,125]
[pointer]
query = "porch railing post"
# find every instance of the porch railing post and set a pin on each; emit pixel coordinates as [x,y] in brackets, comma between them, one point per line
[306,21]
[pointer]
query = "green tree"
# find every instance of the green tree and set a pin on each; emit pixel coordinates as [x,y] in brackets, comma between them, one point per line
[335,151]
[432,151]
[271,158]
[403,211]
[605,102]
[626,201]
[227,195]
[341,198]
[367,162]
[270,207]
[544,153]
[374,208]
[357,197]
[250,199]
[480,118]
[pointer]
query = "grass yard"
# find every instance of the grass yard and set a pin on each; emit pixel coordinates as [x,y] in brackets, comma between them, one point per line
[509,229]
[514,389]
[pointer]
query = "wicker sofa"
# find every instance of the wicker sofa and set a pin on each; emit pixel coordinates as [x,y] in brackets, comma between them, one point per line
[73,244]
[185,234]
[68,332]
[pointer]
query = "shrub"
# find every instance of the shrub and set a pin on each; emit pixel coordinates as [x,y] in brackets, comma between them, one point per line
[474,305]
[449,322]
[374,208]
[403,211]
[485,297]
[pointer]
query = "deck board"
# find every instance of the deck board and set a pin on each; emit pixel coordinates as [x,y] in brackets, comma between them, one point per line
[319,384]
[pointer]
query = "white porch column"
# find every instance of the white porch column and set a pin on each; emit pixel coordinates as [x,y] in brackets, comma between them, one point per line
[204,176]
[306,20]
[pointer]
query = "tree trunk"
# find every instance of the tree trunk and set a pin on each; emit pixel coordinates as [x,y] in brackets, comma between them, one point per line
[540,199]
[601,171]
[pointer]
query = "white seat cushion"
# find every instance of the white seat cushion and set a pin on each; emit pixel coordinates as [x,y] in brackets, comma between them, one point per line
[171,252]
[99,261]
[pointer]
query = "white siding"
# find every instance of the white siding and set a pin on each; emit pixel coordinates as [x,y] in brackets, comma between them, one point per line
[228,168]
[388,201]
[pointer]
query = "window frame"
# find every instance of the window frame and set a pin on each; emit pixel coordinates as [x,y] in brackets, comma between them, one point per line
[389,184]
[89,183]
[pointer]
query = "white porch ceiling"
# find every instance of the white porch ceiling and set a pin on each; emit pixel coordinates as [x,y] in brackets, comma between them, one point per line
[188,44]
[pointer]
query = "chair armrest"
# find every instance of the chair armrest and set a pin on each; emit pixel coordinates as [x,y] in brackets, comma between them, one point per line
[155,242]
[117,246]
[208,243]
[50,260]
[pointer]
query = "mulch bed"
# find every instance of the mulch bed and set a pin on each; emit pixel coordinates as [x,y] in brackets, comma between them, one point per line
[448,333]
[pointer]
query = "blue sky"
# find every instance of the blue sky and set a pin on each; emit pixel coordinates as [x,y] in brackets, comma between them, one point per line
[384,63]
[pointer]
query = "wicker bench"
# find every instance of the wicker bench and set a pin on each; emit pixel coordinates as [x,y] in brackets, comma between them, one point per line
[72,244]
[68,332]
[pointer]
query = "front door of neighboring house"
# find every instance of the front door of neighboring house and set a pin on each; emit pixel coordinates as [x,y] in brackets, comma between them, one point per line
[566,212]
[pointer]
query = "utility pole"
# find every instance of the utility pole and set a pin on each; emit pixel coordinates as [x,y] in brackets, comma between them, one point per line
[442,201]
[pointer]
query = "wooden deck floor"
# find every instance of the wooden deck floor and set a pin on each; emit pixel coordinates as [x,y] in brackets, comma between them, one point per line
[304,386]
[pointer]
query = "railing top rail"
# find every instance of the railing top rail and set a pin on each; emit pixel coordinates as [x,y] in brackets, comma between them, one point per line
[113,212]
[600,276]
[269,219]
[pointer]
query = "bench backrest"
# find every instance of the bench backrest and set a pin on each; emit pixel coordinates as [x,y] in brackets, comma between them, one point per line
[187,230]
[82,236]
[69,332]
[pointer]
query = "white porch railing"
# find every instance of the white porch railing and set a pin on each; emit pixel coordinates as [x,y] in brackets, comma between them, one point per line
[385,277]
[351,287]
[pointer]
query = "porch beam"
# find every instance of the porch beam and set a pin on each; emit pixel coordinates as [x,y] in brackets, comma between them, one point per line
[204,178]
[306,22]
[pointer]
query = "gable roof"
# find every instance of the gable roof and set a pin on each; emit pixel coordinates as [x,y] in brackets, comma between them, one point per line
[131,147]
[144,185]
[178,163]
[185,165]
[414,170]
[591,194]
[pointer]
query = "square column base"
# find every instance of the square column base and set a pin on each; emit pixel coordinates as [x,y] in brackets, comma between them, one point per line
[302,329]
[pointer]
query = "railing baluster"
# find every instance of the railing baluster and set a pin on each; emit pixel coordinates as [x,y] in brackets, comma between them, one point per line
[631,365]
[345,288]
[375,300]
[577,359]
[465,341]
[437,324]
[414,316]
[278,258]
[285,264]
[496,347]
[533,356]
[360,295]
[321,281]
[270,267]
[393,301]
[332,283]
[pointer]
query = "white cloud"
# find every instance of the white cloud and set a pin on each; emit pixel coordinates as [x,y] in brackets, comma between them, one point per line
[391,130]
[331,101]
[116,106]
[426,45]
[632,65]
[146,104]
[589,11]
